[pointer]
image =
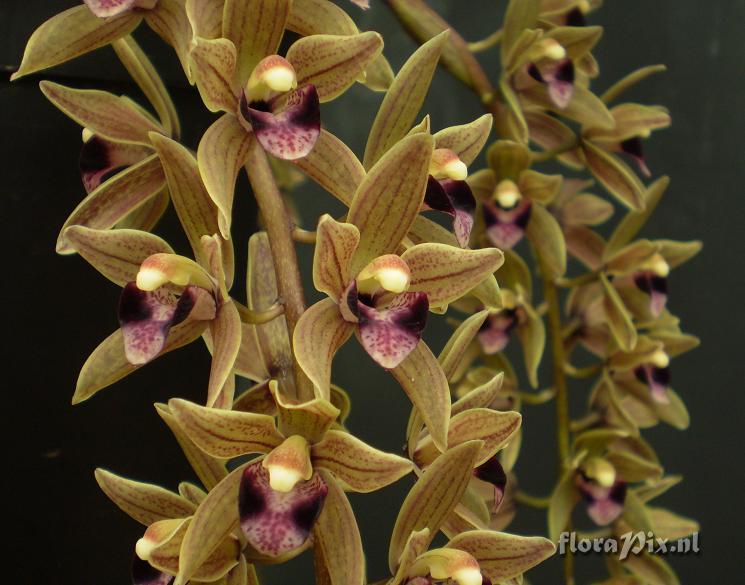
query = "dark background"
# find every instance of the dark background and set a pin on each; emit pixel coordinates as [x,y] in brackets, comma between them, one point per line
[63,530]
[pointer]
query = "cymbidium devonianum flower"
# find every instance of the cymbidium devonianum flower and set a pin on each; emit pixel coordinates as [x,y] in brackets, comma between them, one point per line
[168,300]
[471,556]
[509,192]
[271,98]
[473,418]
[381,295]
[603,491]
[282,494]
[567,12]
[609,462]
[544,66]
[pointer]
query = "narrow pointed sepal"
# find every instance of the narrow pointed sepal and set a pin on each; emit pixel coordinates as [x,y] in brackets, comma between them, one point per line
[274,522]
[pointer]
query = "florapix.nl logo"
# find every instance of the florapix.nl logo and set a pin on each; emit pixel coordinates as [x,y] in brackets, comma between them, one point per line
[629,543]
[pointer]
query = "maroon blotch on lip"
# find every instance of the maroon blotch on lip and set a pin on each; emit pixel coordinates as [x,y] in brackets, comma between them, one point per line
[289,133]
[656,287]
[456,199]
[147,317]
[492,472]
[575,17]
[506,227]
[390,334]
[101,159]
[635,149]
[604,504]
[274,522]
[144,574]
[656,379]
[494,333]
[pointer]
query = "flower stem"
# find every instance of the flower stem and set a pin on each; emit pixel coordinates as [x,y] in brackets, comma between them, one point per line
[552,153]
[486,43]
[562,398]
[531,501]
[279,229]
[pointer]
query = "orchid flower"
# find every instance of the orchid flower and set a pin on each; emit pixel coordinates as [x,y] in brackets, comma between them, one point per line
[509,191]
[282,494]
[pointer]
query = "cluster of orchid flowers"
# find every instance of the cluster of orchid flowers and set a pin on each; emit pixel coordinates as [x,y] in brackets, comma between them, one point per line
[384,266]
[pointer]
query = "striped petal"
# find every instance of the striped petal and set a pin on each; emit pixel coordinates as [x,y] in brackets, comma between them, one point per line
[456,199]
[274,522]
[390,334]
[147,317]
[288,133]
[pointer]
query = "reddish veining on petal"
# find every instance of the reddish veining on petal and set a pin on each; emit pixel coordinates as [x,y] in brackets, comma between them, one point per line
[274,522]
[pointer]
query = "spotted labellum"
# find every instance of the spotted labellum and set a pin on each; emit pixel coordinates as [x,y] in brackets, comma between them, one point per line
[531,248]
